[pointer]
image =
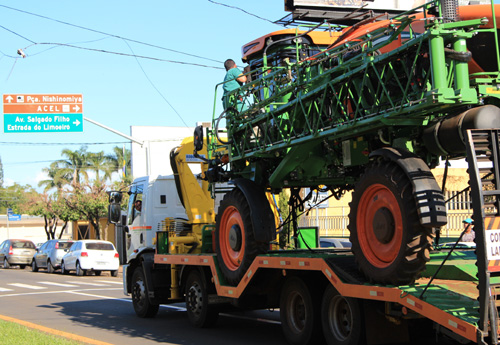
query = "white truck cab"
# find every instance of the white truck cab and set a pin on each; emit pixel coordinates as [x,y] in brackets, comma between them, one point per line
[159,200]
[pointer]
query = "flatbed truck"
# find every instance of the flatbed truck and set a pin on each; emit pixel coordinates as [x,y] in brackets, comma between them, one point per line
[321,294]
[370,109]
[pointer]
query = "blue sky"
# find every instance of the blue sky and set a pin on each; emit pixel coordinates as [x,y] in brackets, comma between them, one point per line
[119,91]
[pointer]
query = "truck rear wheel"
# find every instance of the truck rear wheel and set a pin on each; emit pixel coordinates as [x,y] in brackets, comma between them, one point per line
[235,243]
[199,312]
[142,306]
[299,313]
[388,241]
[341,319]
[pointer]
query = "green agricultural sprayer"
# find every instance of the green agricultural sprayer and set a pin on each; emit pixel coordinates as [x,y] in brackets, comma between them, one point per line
[373,110]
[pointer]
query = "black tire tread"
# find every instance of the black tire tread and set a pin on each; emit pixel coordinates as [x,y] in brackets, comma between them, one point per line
[149,310]
[407,267]
[312,333]
[357,334]
[253,248]
[210,315]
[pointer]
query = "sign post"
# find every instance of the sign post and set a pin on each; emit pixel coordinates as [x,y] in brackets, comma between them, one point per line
[42,113]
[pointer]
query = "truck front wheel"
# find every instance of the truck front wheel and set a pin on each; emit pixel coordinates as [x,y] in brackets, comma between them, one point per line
[142,306]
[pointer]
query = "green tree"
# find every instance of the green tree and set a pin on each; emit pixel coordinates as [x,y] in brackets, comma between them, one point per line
[75,164]
[284,209]
[90,201]
[98,162]
[52,208]
[57,177]
[122,163]
[13,196]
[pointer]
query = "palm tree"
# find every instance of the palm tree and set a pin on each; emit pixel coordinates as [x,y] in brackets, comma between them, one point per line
[57,177]
[121,161]
[76,164]
[98,162]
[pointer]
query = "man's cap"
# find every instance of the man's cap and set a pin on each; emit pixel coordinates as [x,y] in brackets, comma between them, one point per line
[468,221]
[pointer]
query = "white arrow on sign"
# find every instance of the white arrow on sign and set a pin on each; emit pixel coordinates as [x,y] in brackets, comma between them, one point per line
[76,123]
[76,108]
[9,98]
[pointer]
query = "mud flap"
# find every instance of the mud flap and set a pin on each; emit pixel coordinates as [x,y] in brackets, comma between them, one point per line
[429,198]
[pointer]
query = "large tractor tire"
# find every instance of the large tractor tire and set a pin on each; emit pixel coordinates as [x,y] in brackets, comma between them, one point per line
[388,241]
[235,242]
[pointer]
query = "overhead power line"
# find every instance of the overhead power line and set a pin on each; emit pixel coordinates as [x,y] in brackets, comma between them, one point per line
[87,144]
[154,86]
[124,54]
[15,33]
[244,11]
[107,34]
[57,144]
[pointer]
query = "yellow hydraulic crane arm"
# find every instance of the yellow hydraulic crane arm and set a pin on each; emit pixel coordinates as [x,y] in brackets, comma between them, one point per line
[193,192]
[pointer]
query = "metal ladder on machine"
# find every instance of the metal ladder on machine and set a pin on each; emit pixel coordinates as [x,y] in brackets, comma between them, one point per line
[483,156]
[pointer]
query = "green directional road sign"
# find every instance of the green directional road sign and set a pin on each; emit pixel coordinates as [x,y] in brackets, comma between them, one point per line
[30,113]
[29,123]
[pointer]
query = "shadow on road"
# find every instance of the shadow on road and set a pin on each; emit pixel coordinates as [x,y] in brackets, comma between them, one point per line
[169,326]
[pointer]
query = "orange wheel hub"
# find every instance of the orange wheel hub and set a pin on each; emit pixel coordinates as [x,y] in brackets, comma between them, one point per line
[232,238]
[379,225]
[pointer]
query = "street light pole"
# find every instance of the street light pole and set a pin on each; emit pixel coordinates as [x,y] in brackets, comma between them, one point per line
[144,144]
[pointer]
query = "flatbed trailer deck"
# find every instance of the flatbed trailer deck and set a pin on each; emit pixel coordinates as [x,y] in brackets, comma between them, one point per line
[452,304]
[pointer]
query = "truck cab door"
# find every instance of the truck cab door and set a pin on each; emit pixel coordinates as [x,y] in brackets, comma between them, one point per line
[136,218]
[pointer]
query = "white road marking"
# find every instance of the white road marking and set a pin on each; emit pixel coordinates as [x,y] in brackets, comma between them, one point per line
[26,286]
[58,284]
[110,282]
[84,283]
[5,289]
[56,292]
[173,307]
[98,296]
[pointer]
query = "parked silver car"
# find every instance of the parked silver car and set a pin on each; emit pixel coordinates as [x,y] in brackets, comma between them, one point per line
[49,255]
[16,252]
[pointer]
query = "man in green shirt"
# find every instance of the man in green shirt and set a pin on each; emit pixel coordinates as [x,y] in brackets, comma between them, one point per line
[232,81]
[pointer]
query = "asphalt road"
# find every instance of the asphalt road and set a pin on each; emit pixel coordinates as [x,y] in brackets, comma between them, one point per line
[96,308]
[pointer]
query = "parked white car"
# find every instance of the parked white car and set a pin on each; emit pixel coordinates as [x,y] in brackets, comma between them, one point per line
[91,255]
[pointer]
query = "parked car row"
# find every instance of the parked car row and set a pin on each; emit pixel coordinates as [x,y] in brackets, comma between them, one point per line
[80,256]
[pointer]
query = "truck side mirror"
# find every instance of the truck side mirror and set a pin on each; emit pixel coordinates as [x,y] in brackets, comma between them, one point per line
[115,197]
[198,138]
[114,213]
